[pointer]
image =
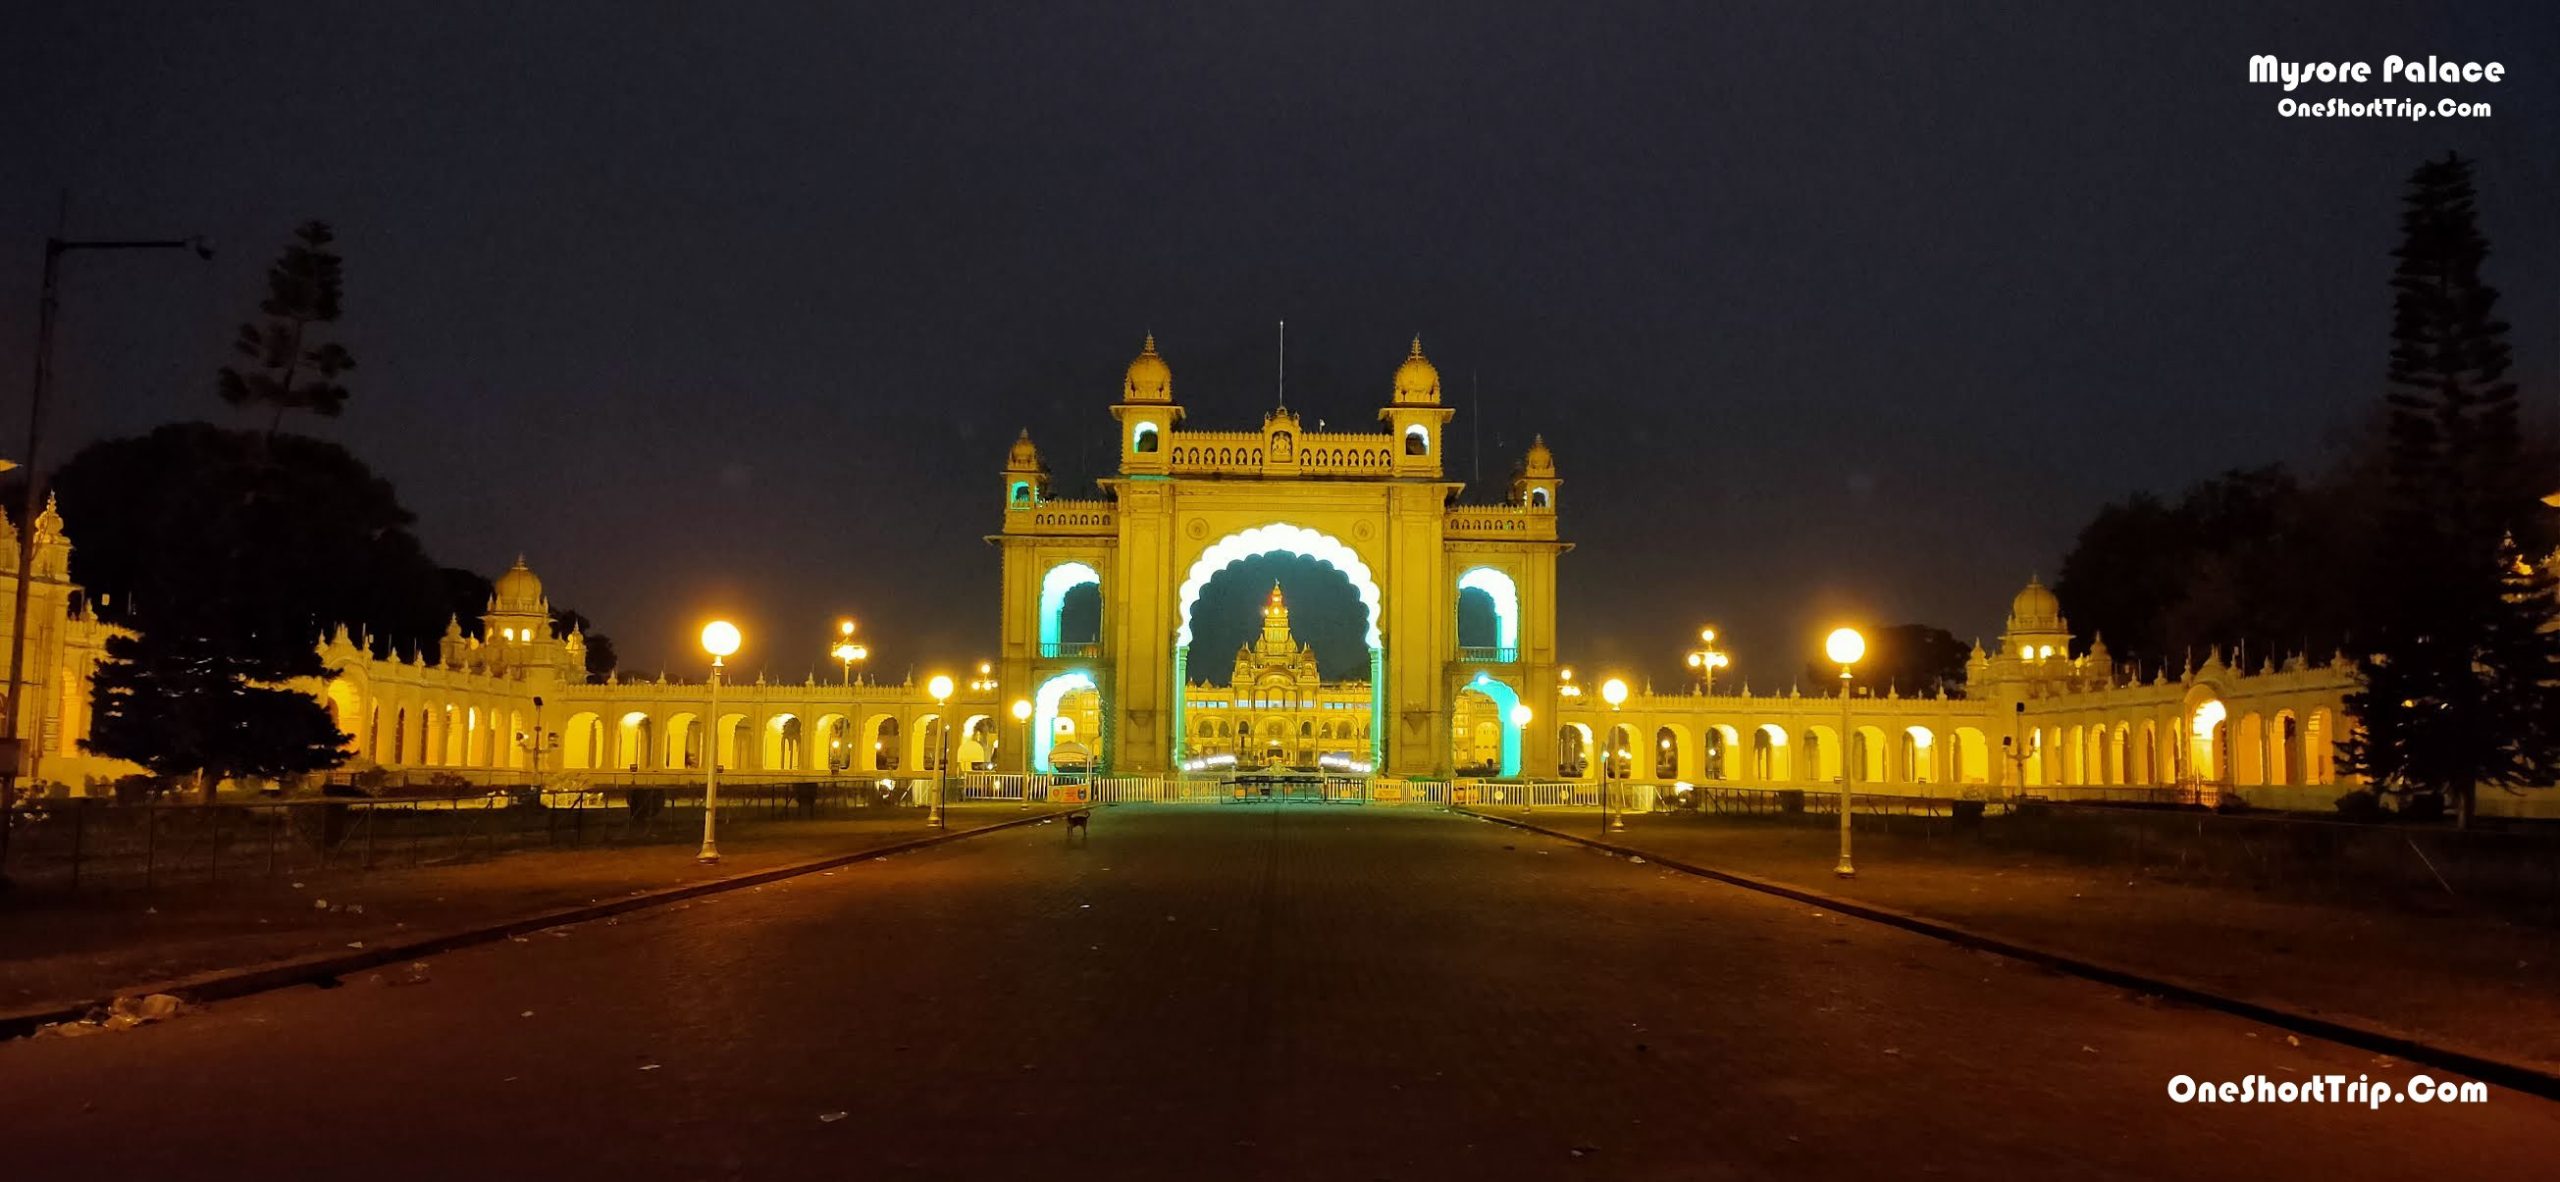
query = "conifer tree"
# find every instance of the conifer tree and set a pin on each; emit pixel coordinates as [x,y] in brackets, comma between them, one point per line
[285,366]
[2462,683]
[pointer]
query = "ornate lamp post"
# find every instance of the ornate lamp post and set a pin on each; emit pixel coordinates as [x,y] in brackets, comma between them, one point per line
[1022,714]
[1845,647]
[846,651]
[720,639]
[1705,659]
[940,688]
[1614,692]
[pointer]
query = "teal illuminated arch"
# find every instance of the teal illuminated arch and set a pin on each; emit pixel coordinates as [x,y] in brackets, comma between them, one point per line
[1505,699]
[1281,538]
[1060,579]
[1044,715]
[1505,594]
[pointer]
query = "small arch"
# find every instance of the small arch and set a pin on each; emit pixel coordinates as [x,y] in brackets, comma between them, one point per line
[1537,498]
[1417,440]
[1142,438]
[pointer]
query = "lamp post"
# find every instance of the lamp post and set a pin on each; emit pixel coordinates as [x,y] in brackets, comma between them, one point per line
[1705,659]
[15,754]
[940,688]
[1614,692]
[1520,716]
[846,651]
[720,639]
[1022,714]
[1845,647]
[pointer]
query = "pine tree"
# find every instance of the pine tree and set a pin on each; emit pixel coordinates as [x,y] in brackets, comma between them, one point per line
[288,369]
[2459,687]
[184,705]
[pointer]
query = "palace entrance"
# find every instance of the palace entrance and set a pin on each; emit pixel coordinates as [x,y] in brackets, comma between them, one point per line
[1457,599]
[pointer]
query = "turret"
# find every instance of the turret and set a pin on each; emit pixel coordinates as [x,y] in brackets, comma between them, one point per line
[1414,415]
[1026,476]
[1534,480]
[1147,412]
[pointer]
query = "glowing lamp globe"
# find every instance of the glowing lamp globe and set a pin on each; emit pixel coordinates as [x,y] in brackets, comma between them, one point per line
[1844,646]
[1022,709]
[1520,715]
[939,687]
[720,638]
[1613,691]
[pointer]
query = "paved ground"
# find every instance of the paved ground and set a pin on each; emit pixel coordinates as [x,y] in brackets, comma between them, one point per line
[1220,992]
[58,949]
[2467,977]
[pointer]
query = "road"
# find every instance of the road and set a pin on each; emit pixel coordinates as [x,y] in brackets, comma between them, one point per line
[1220,992]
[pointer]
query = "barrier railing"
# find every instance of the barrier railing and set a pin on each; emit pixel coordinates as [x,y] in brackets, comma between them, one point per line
[97,843]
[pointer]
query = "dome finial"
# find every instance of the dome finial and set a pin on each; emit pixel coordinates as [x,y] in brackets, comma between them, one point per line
[1417,344]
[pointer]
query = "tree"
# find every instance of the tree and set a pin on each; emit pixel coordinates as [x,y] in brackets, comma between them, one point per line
[285,368]
[601,659]
[2462,685]
[181,702]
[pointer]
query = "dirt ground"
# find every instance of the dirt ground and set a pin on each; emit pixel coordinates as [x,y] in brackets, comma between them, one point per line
[2468,979]
[59,949]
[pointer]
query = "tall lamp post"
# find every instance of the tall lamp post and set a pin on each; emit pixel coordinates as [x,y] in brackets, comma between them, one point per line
[846,651]
[15,754]
[1845,647]
[1022,714]
[1614,692]
[720,639]
[1705,659]
[940,688]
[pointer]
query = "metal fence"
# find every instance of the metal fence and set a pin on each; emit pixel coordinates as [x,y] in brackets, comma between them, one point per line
[96,843]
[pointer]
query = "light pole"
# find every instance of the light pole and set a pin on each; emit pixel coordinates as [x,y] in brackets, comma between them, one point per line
[1705,659]
[846,651]
[1614,692]
[940,688]
[14,754]
[1022,714]
[719,638]
[1844,646]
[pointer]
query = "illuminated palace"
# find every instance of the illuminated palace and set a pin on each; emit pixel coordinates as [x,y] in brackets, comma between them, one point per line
[1464,676]
[1275,710]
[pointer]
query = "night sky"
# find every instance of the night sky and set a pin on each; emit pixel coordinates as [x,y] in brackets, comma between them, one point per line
[1828,311]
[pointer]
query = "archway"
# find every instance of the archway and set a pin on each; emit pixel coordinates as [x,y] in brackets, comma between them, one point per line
[1282,539]
[1573,751]
[1481,713]
[1502,596]
[1054,586]
[976,750]
[881,740]
[684,741]
[1769,754]
[1969,760]
[834,739]
[1919,755]
[783,747]
[1045,715]
[582,742]
[633,747]
[1716,755]
[2207,730]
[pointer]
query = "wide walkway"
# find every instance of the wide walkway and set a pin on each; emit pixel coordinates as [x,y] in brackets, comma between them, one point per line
[1221,992]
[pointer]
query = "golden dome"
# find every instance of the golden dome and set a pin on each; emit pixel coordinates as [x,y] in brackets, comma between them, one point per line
[1025,456]
[2035,606]
[1539,461]
[518,587]
[1149,378]
[1417,380]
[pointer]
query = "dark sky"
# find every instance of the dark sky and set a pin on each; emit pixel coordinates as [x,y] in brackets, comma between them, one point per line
[1827,310]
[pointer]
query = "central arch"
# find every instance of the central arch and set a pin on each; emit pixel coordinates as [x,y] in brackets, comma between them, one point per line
[1279,538]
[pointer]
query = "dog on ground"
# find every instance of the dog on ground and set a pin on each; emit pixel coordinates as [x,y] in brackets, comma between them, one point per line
[1080,821]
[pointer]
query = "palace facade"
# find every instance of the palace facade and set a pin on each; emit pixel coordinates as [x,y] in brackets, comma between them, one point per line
[506,697]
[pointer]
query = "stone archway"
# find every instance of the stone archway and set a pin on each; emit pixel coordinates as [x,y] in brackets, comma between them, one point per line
[1283,539]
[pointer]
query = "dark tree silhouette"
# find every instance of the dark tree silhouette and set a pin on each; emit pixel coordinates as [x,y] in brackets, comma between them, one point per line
[2462,681]
[283,366]
[183,703]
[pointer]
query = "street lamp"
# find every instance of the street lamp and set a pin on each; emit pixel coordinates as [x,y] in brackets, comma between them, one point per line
[940,688]
[1520,716]
[1705,659]
[720,639]
[846,651]
[1844,646]
[1614,692]
[985,681]
[1022,714]
[16,755]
